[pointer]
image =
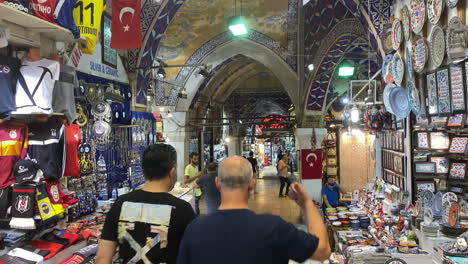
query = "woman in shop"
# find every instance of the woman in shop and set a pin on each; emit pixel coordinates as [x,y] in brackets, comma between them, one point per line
[283,168]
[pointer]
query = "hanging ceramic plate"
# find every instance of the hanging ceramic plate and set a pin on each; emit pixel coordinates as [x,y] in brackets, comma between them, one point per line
[408,63]
[455,37]
[437,46]
[406,23]
[396,34]
[428,199]
[413,97]
[449,197]
[437,208]
[386,97]
[452,3]
[389,78]
[434,10]
[387,38]
[418,15]
[428,216]
[454,214]
[445,211]
[398,69]
[420,54]
[385,63]
[399,103]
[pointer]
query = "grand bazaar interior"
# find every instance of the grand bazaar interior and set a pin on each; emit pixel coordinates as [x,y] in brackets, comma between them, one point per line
[370,94]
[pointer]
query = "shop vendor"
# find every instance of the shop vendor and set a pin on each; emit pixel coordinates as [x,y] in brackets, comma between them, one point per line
[331,193]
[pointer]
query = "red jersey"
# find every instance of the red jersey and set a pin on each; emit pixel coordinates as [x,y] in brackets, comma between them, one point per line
[72,141]
[44,9]
[13,147]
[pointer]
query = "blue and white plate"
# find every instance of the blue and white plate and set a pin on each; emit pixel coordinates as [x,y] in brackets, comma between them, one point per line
[413,97]
[398,69]
[399,103]
[408,63]
[437,207]
[386,97]
[385,64]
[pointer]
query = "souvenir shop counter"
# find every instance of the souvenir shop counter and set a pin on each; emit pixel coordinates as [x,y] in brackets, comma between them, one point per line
[185,193]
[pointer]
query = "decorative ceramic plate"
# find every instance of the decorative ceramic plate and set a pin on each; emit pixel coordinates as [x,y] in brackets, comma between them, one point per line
[428,216]
[387,38]
[406,23]
[420,54]
[385,63]
[418,15]
[445,211]
[437,46]
[398,69]
[449,197]
[455,37]
[386,97]
[408,63]
[389,78]
[434,10]
[396,34]
[454,214]
[413,97]
[428,199]
[399,103]
[437,208]
[452,3]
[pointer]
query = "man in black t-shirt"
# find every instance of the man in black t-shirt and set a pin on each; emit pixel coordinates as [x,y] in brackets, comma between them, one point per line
[234,234]
[254,163]
[148,224]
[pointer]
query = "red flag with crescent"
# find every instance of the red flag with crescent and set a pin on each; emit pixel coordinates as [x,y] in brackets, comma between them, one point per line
[126,25]
[311,163]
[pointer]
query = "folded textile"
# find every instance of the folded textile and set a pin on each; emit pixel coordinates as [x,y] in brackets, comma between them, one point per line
[88,251]
[74,259]
[39,252]
[71,237]
[27,255]
[5,259]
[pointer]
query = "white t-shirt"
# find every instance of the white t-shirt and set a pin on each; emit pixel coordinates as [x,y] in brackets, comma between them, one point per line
[35,86]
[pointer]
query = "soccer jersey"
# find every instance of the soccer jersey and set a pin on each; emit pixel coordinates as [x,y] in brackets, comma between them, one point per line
[87,15]
[9,69]
[22,5]
[35,86]
[43,9]
[73,139]
[64,16]
[47,148]
[13,147]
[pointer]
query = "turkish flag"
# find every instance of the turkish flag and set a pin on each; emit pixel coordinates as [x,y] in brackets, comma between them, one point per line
[311,163]
[126,26]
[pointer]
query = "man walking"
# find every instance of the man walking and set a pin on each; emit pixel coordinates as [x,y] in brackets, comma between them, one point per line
[191,174]
[148,224]
[234,234]
[208,186]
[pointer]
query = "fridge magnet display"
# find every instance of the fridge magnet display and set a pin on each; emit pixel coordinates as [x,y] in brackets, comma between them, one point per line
[439,120]
[443,88]
[406,23]
[398,164]
[441,164]
[456,121]
[418,15]
[398,69]
[437,45]
[423,140]
[431,84]
[434,10]
[458,145]
[422,121]
[426,186]
[420,54]
[457,88]
[397,34]
[439,140]
[457,171]
[425,167]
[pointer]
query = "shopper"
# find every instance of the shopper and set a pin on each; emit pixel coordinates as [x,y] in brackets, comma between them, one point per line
[191,175]
[254,163]
[208,186]
[148,213]
[234,234]
[331,193]
[283,174]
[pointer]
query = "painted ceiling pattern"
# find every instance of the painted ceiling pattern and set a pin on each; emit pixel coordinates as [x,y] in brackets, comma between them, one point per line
[262,104]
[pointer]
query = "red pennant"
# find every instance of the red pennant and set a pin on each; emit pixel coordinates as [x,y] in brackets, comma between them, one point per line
[126,27]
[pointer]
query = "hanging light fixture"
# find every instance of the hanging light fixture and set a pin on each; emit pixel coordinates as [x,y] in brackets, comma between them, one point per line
[236,24]
[355,115]
[161,73]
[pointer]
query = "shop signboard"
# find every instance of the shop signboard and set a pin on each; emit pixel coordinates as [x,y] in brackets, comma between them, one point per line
[311,162]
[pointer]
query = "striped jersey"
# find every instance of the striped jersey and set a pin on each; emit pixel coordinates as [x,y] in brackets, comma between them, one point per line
[13,147]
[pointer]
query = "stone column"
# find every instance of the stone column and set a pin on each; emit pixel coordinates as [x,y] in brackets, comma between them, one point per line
[234,146]
[303,141]
[179,138]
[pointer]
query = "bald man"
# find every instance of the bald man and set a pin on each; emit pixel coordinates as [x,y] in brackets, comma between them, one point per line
[234,234]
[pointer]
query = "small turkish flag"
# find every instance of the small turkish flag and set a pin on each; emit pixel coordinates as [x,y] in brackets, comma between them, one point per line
[126,26]
[311,163]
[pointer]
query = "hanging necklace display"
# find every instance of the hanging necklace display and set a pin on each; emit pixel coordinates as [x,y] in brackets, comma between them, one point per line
[101,179]
[452,3]
[387,38]
[418,15]
[406,23]
[437,45]
[82,118]
[102,111]
[420,54]
[434,10]
[398,69]
[396,34]
[102,131]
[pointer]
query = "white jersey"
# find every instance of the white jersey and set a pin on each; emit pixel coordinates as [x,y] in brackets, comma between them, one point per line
[35,86]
